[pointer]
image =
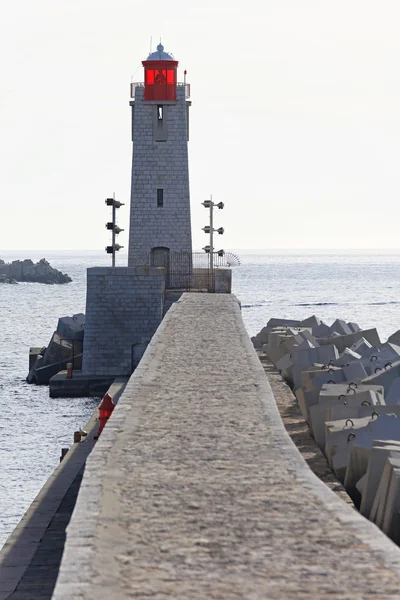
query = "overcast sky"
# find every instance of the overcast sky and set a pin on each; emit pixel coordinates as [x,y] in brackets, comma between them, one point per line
[295,121]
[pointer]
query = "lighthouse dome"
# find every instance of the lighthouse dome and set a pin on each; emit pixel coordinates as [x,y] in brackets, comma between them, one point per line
[160,54]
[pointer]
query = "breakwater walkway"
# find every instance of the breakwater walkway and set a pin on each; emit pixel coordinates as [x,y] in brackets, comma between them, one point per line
[195,490]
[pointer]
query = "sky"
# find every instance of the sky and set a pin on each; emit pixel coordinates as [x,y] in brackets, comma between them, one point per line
[295,118]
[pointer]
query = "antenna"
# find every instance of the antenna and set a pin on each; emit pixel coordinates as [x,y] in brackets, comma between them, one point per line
[151,42]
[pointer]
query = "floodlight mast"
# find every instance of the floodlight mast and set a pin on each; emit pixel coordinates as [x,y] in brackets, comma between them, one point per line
[113,227]
[114,217]
[212,243]
[210,229]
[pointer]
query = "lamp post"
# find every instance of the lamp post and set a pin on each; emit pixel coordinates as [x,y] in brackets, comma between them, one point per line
[210,229]
[113,227]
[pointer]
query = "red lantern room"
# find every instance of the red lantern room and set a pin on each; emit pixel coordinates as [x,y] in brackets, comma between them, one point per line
[160,76]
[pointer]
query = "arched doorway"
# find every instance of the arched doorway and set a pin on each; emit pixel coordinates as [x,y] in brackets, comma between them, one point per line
[160,258]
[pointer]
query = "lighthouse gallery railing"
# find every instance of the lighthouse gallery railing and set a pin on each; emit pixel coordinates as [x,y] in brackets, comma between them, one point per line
[140,84]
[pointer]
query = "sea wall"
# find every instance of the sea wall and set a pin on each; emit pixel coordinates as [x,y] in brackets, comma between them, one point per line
[124,307]
[195,490]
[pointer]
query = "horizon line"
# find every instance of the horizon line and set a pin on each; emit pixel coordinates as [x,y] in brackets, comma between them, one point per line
[98,250]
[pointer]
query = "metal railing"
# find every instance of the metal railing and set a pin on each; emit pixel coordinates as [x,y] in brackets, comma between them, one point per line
[135,84]
[75,346]
[189,271]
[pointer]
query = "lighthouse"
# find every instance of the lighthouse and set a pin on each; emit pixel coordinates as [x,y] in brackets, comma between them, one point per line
[160,198]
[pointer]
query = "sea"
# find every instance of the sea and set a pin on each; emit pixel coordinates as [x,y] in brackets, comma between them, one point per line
[357,286]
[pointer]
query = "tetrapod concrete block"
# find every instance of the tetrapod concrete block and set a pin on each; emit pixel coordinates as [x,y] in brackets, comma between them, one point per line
[308,357]
[385,377]
[308,375]
[346,341]
[356,469]
[347,356]
[381,428]
[340,460]
[393,396]
[284,366]
[376,464]
[354,372]
[303,377]
[381,360]
[395,338]
[322,331]
[272,323]
[360,484]
[351,394]
[332,376]
[341,327]
[361,346]
[391,518]
[378,510]
[315,323]
[275,354]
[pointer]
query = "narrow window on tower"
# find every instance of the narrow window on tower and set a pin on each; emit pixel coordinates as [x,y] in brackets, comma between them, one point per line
[160,197]
[160,123]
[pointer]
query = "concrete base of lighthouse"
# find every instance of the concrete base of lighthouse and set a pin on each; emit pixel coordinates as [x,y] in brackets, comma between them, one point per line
[80,385]
[124,307]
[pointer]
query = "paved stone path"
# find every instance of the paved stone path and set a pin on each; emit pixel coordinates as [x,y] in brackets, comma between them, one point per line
[195,490]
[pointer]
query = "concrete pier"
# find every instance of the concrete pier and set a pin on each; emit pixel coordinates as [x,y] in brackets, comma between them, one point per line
[195,490]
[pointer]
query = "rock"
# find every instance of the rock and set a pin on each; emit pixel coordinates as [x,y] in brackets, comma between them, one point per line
[5,279]
[27,270]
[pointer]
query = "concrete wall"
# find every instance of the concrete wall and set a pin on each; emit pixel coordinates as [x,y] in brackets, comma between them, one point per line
[159,162]
[123,310]
[223,281]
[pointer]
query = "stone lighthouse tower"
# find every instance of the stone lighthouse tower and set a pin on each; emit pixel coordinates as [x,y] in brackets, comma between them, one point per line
[160,201]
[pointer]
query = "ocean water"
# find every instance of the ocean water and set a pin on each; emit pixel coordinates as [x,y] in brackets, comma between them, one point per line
[356,286]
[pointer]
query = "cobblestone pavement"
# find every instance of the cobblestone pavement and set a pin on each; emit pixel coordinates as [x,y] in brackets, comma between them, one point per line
[195,490]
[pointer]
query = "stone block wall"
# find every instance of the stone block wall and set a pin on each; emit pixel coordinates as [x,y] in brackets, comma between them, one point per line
[160,162]
[223,281]
[123,310]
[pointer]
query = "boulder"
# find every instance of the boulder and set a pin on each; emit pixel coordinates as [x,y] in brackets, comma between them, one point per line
[27,270]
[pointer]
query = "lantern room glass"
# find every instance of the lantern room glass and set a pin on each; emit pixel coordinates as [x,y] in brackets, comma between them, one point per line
[160,80]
